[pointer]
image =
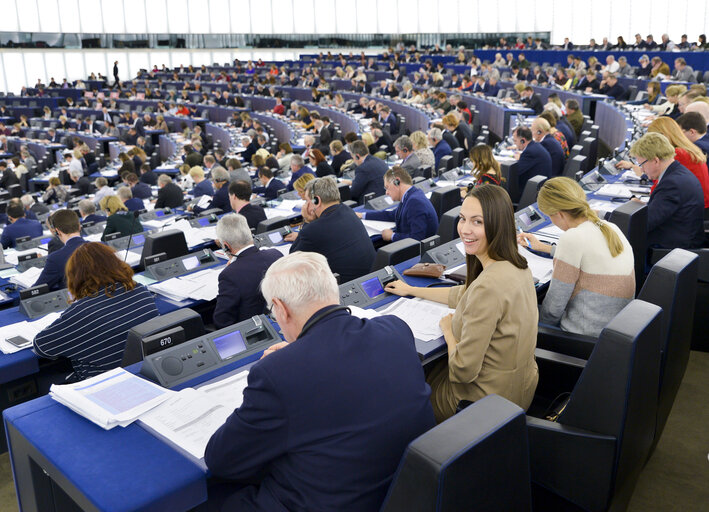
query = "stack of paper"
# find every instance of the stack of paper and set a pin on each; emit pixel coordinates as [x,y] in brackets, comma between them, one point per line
[27,330]
[130,257]
[27,278]
[116,397]
[550,231]
[190,417]
[540,266]
[193,236]
[422,316]
[614,190]
[375,227]
[203,285]
[96,237]
[12,255]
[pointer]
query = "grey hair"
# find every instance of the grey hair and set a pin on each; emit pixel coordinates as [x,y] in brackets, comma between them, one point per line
[435,134]
[299,280]
[297,160]
[87,206]
[404,142]
[124,193]
[325,188]
[76,173]
[28,200]
[164,179]
[219,174]
[234,230]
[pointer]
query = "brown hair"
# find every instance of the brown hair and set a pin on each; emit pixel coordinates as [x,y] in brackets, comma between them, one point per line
[670,129]
[398,173]
[93,266]
[482,158]
[499,222]
[66,221]
[317,156]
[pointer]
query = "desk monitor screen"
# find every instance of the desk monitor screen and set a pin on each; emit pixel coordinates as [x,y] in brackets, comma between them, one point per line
[159,213]
[372,287]
[45,240]
[204,221]
[191,262]
[230,344]
[275,237]
[524,217]
[139,239]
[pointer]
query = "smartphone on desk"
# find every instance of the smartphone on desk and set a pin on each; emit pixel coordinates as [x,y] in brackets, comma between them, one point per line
[18,341]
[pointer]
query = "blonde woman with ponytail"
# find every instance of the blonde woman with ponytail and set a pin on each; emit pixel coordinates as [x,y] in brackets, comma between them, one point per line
[594,275]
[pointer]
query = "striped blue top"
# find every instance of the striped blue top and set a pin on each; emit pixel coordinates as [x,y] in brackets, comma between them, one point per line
[92,331]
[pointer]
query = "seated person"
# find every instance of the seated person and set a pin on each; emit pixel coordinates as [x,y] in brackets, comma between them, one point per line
[492,335]
[56,192]
[240,201]
[169,194]
[139,189]
[404,149]
[298,168]
[132,203]
[299,185]
[439,146]
[147,176]
[485,168]
[220,177]
[694,127]
[369,173]
[102,190]
[18,226]
[8,177]
[81,182]
[92,332]
[533,159]
[675,212]
[594,276]
[541,133]
[239,283]
[32,207]
[531,100]
[415,216]
[339,156]
[65,224]
[318,161]
[120,220]
[297,444]
[202,186]
[335,231]
[87,210]
[269,185]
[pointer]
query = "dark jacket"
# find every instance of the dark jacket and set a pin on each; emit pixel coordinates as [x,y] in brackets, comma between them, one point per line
[142,191]
[134,204]
[415,216]
[297,174]
[298,433]
[21,227]
[534,160]
[534,103]
[239,286]
[556,153]
[369,177]
[440,150]
[271,190]
[122,222]
[84,186]
[150,178]
[93,218]
[338,160]
[170,196]
[253,214]
[53,271]
[203,188]
[220,200]
[339,235]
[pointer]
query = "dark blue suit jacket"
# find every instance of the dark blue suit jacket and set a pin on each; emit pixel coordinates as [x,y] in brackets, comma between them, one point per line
[703,144]
[325,420]
[53,272]
[239,286]
[253,214]
[340,236]
[369,177]
[442,149]
[393,123]
[134,204]
[675,212]
[491,90]
[219,200]
[303,170]
[203,188]
[556,153]
[564,127]
[142,191]
[270,191]
[21,227]
[415,216]
[93,218]
[533,160]
[149,177]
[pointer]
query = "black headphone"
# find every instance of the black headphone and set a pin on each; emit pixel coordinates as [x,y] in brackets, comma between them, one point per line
[396,182]
[316,200]
[319,317]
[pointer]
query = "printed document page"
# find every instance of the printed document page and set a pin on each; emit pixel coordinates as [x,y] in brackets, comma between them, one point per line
[540,266]
[422,316]
[375,227]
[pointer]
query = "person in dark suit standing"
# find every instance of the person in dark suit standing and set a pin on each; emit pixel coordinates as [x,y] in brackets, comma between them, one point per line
[675,212]
[65,224]
[220,177]
[18,226]
[369,173]
[239,198]
[297,442]
[415,216]
[531,100]
[541,134]
[169,194]
[116,82]
[533,159]
[239,293]
[269,185]
[335,231]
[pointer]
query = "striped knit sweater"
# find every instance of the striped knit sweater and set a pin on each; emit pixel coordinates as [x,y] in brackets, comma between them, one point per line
[588,286]
[92,331]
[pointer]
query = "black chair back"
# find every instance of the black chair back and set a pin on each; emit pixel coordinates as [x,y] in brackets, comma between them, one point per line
[445,198]
[574,165]
[172,242]
[631,218]
[458,156]
[530,192]
[448,225]
[396,252]
[446,163]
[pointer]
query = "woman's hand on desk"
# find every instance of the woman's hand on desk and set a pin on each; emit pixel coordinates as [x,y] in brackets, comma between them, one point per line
[399,287]
[532,242]
[273,348]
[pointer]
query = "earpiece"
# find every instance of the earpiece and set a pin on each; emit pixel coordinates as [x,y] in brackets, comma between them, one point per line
[396,182]
[316,200]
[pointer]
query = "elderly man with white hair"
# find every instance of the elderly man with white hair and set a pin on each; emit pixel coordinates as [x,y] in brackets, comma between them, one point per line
[239,294]
[326,415]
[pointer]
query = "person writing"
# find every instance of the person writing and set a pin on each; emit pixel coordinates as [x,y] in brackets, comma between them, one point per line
[492,334]
[415,216]
[106,304]
[65,224]
[594,276]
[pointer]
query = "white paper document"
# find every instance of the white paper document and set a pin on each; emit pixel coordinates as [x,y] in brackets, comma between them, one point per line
[28,330]
[540,266]
[375,227]
[132,258]
[116,397]
[550,231]
[614,190]
[190,417]
[422,316]
[12,255]
[202,285]
[27,278]
[603,206]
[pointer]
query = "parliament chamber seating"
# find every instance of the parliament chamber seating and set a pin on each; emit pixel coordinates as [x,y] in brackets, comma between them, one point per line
[396,252]
[448,225]
[631,218]
[445,198]
[530,192]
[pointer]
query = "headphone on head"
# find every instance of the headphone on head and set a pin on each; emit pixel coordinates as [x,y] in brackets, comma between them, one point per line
[396,182]
[316,200]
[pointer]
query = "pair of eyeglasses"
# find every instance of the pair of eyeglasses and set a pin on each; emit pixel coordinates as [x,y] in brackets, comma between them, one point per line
[641,164]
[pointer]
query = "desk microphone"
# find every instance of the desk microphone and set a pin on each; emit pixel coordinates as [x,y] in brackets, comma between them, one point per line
[136,214]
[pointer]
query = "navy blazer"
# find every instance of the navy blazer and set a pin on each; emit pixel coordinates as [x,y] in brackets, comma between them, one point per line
[297,174]
[134,204]
[219,200]
[239,286]
[393,123]
[93,218]
[534,103]
[142,191]
[556,153]
[21,227]
[203,188]
[326,419]
[564,127]
[339,235]
[149,177]
[675,212]
[415,216]
[53,272]
[703,143]
[271,190]
[253,214]
[534,160]
[169,196]
[440,150]
[369,177]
